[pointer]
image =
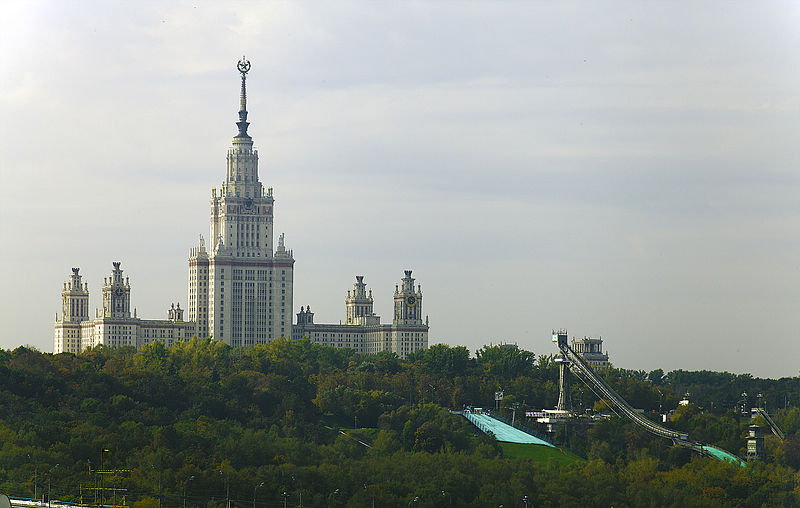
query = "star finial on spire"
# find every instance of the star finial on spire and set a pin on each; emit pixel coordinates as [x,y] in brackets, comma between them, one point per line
[244,67]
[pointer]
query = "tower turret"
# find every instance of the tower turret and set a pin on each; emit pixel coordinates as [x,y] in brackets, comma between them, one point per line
[407,302]
[241,213]
[358,306]
[74,311]
[75,299]
[117,294]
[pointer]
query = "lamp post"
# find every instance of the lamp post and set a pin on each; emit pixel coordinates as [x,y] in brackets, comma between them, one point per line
[415,500]
[227,489]
[35,477]
[449,496]
[100,473]
[49,473]
[334,493]
[285,497]
[525,500]
[299,489]
[254,493]
[373,495]
[186,484]
[159,483]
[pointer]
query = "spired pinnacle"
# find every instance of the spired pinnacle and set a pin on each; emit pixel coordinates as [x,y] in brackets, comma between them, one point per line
[244,67]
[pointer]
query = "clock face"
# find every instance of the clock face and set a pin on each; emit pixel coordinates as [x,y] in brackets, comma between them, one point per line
[119,291]
[411,300]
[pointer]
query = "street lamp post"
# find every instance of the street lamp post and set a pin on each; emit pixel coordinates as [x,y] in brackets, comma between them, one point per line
[159,484]
[186,484]
[334,493]
[415,500]
[254,493]
[285,497]
[35,477]
[373,495]
[227,490]
[100,473]
[300,490]
[449,496]
[525,500]
[49,473]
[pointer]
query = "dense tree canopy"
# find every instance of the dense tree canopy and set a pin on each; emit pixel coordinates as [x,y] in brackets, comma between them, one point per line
[211,421]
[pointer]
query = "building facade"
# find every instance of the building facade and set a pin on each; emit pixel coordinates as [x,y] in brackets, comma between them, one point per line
[362,330]
[591,350]
[241,291]
[241,285]
[113,325]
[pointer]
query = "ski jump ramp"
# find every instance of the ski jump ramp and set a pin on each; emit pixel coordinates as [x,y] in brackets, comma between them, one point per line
[502,431]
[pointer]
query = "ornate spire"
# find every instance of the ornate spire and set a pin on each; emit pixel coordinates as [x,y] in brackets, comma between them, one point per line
[243,66]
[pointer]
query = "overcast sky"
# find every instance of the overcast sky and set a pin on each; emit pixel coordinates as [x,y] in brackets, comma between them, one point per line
[622,169]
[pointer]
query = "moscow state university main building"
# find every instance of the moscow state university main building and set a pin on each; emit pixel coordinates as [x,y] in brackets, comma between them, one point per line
[240,284]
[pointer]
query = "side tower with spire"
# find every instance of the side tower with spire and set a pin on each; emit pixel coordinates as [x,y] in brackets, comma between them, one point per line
[358,305]
[74,310]
[247,296]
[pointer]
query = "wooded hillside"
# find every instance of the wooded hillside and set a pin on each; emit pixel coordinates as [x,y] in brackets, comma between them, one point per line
[201,422]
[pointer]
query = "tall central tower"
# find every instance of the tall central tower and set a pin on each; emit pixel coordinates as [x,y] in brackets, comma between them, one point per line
[241,291]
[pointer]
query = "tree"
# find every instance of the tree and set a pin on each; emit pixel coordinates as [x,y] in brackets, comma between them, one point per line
[505,362]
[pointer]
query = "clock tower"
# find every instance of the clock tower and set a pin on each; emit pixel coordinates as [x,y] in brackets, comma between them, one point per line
[407,302]
[116,294]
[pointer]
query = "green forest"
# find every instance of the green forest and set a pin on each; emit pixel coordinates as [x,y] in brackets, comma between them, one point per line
[201,424]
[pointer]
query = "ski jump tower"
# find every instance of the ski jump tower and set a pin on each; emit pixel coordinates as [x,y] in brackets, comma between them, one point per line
[620,406]
[564,394]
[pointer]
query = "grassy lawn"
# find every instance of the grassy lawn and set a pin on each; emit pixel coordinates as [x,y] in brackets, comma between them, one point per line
[538,453]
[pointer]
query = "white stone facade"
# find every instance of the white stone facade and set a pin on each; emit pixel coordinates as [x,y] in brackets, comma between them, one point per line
[112,325]
[241,292]
[362,330]
[74,311]
[241,285]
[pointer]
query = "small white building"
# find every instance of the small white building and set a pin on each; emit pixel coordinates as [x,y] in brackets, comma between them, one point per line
[591,350]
